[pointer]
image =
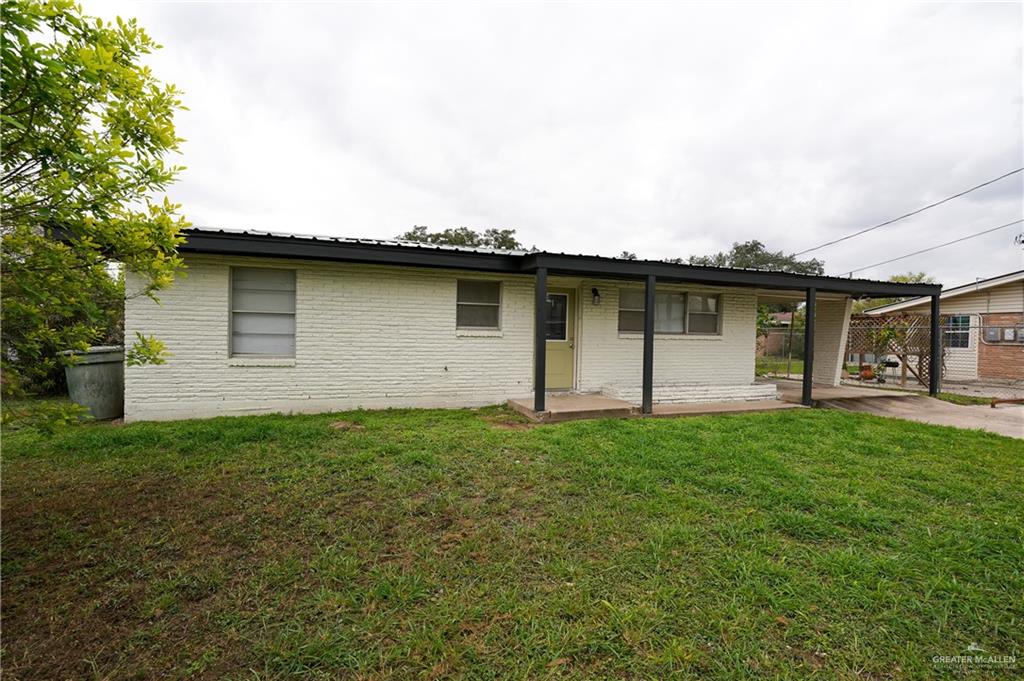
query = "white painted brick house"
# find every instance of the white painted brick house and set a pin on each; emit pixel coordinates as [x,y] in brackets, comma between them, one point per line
[271,323]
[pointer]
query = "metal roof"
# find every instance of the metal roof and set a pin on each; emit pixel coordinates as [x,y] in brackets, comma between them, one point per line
[396,252]
[359,240]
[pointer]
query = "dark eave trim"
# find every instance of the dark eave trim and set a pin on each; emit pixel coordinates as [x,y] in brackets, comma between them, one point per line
[721,276]
[270,246]
[306,249]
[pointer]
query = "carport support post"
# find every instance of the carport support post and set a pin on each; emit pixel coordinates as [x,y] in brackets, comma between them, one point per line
[935,369]
[647,400]
[812,295]
[540,324]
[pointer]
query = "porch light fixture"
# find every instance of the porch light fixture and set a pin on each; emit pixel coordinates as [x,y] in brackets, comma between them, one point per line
[596,295]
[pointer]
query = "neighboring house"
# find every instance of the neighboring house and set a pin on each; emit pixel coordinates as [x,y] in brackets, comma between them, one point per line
[268,322]
[983,327]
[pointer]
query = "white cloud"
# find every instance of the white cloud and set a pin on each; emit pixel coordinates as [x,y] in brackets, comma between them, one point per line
[661,129]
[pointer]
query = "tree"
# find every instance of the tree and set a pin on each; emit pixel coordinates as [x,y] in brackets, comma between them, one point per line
[626,255]
[464,236]
[905,278]
[754,255]
[86,127]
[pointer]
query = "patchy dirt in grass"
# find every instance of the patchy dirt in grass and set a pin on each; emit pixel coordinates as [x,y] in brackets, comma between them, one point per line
[348,425]
[509,421]
[104,578]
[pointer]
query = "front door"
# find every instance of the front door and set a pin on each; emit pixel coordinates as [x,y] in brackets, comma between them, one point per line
[560,358]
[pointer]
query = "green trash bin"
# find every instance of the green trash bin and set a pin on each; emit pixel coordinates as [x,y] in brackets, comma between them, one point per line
[96,380]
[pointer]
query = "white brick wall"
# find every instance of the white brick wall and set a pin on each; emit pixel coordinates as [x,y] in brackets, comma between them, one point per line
[613,362]
[831,327]
[366,337]
[385,337]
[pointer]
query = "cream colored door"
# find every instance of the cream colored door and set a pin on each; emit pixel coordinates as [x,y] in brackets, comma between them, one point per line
[560,344]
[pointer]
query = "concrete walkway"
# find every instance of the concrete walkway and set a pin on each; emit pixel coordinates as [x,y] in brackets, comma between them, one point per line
[1007,419]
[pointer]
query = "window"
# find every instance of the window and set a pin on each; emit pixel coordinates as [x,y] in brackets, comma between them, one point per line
[669,310]
[958,331]
[557,316]
[478,305]
[703,314]
[262,312]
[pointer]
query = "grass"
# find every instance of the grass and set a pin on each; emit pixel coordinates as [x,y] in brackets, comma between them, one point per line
[429,544]
[778,366]
[963,399]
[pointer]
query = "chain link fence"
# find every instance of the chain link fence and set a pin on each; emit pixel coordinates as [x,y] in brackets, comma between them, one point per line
[982,359]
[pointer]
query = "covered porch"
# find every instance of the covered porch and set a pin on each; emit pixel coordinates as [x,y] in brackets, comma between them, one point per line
[824,297]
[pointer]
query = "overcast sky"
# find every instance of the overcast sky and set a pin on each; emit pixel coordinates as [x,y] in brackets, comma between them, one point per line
[663,129]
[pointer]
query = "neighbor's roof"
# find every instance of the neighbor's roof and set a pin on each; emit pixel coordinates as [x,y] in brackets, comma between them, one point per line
[416,254]
[973,287]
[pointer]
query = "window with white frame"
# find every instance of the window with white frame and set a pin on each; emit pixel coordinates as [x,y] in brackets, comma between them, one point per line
[262,312]
[669,311]
[958,331]
[478,304]
[703,314]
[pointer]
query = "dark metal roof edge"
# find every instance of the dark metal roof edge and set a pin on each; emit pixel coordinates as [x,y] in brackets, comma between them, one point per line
[397,253]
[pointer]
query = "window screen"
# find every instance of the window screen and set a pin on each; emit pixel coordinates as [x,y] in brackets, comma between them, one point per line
[958,331]
[704,313]
[262,312]
[669,309]
[478,304]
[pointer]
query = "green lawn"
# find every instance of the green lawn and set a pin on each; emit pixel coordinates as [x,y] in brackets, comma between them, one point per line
[775,365]
[430,544]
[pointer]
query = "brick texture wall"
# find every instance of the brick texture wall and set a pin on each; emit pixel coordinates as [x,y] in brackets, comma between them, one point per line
[366,337]
[1003,361]
[831,327]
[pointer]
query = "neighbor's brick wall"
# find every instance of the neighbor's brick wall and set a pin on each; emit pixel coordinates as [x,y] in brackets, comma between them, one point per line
[1002,360]
[366,337]
[831,327]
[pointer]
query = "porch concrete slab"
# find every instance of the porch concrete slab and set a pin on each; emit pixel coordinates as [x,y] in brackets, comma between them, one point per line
[734,407]
[1005,419]
[573,406]
[792,391]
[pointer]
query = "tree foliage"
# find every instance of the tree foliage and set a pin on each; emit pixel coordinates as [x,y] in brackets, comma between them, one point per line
[464,236]
[754,255]
[85,129]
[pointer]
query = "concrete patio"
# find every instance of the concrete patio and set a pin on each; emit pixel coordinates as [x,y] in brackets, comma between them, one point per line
[790,391]
[576,406]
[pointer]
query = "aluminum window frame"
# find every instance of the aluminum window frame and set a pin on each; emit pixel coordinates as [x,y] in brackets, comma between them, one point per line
[620,309]
[964,330]
[719,313]
[232,311]
[500,304]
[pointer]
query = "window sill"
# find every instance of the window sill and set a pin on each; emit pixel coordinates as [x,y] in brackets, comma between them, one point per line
[675,336]
[261,361]
[479,333]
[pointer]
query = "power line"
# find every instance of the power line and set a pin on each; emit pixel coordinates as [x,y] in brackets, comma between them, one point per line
[932,248]
[915,212]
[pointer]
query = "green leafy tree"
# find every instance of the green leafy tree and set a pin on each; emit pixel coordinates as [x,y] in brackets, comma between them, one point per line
[754,255]
[464,236]
[905,278]
[85,129]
